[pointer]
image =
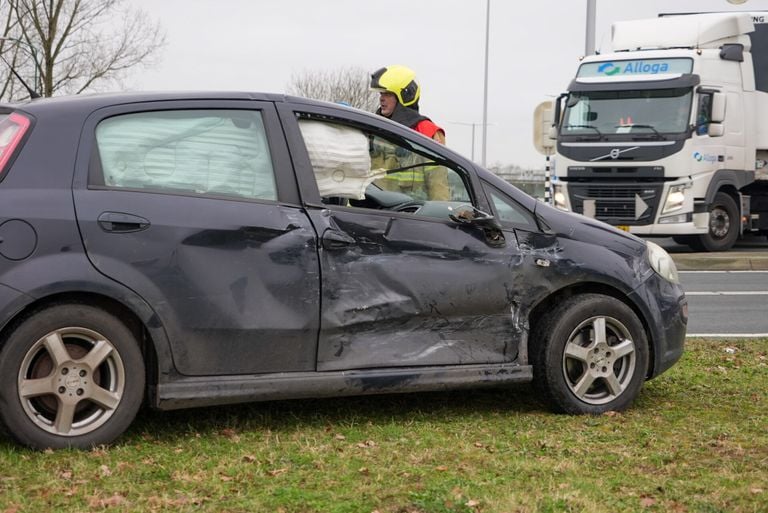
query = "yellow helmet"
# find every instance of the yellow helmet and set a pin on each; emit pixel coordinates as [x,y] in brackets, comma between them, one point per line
[399,80]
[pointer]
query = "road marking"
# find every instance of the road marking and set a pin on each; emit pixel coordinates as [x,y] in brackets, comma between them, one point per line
[722,272]
[731,293]
[726,335]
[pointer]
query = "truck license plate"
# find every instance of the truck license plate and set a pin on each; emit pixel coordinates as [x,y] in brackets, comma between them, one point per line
[623,227]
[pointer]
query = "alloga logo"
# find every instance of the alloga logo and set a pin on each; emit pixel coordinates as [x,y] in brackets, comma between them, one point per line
[699,157]
[608,68]
[633,68]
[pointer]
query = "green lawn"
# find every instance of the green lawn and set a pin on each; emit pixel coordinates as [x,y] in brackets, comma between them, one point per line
[696,441]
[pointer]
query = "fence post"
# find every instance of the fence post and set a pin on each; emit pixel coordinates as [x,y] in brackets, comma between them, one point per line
[547,183]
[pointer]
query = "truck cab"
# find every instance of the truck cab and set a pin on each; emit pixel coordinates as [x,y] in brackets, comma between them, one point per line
[665,136]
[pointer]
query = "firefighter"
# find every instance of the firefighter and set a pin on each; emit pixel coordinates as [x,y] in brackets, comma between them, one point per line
[399,101]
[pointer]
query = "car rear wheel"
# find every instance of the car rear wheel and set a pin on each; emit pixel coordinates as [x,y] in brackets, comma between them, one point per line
[70,376]
[590,355]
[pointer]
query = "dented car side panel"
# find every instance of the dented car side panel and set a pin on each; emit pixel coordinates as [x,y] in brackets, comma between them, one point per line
[409,291]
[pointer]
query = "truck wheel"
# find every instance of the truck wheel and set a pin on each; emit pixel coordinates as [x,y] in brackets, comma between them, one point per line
[724,225]
[70,376]
[685,240]
[590,355]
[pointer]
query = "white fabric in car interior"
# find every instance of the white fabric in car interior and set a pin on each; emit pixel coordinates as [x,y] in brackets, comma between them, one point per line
[340,159]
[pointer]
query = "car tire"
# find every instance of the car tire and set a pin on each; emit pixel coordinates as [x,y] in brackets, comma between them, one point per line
[724,225]
[71,375]
[578,372]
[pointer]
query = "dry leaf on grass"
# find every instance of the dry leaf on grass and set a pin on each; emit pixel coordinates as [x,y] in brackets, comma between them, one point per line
[98,502]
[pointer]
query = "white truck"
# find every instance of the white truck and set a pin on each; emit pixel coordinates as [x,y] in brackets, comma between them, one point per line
[668,135]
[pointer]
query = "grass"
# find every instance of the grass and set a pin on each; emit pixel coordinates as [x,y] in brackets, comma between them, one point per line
[695,441]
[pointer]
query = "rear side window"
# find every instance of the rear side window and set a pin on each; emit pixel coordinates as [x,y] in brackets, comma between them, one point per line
[208,152]
[12,129]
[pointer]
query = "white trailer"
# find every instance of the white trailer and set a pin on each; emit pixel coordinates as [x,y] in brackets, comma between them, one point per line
[668,135]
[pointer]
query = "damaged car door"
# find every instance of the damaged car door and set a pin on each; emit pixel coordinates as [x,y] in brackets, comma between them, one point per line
[193,205]
[414,272]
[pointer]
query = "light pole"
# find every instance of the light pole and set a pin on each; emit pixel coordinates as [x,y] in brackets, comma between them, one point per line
[31,49]
[473,125]
[485,82]
[589,42]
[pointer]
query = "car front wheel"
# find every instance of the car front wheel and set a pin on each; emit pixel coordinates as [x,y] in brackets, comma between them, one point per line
[70,376]
[590,355]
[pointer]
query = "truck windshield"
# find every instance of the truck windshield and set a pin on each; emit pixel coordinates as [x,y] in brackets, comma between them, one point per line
[652,111]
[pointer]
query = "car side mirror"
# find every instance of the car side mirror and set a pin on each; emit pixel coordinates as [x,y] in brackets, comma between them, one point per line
[467,214]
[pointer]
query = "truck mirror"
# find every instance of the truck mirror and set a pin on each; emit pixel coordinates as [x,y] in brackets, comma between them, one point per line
[718,107]
[543,124]
[716,130]
[552,132]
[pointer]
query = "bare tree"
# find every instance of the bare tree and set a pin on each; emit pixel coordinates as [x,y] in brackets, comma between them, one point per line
[71,46]
[9,52]
[347,85]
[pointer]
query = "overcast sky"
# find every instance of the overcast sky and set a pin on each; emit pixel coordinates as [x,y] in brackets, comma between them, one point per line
[535,46]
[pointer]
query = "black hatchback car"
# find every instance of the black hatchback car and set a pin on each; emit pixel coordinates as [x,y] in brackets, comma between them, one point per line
[193,249]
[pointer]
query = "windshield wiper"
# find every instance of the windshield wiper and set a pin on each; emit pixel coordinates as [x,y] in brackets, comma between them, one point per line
[650,127]
[591,127]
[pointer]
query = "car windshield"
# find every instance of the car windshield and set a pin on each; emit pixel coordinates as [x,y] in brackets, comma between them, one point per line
[653,112]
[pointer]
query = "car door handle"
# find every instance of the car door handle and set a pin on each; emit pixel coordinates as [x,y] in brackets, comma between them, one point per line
[118,222]
[336,240]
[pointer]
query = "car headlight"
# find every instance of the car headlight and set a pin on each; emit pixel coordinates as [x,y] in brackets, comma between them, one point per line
[662,263]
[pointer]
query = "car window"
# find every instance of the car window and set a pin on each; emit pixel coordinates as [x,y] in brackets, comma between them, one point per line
[509,212]
[363,169]
[210,152]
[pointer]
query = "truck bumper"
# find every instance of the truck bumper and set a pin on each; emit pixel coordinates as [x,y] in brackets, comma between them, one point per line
[666,230]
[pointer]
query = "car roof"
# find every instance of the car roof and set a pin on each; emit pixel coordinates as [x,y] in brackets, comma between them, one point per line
[90,102]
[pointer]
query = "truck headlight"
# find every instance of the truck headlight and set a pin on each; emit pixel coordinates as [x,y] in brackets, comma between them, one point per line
[661,262]
[675,198]
[559,197]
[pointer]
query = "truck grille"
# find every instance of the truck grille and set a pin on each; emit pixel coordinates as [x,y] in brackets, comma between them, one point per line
[616,204]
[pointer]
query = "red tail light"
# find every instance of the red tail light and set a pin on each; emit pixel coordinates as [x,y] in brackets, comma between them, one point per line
[12,129]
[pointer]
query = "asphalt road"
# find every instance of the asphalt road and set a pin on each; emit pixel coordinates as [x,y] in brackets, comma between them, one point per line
[726,303]
[746,245]
[727,292]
